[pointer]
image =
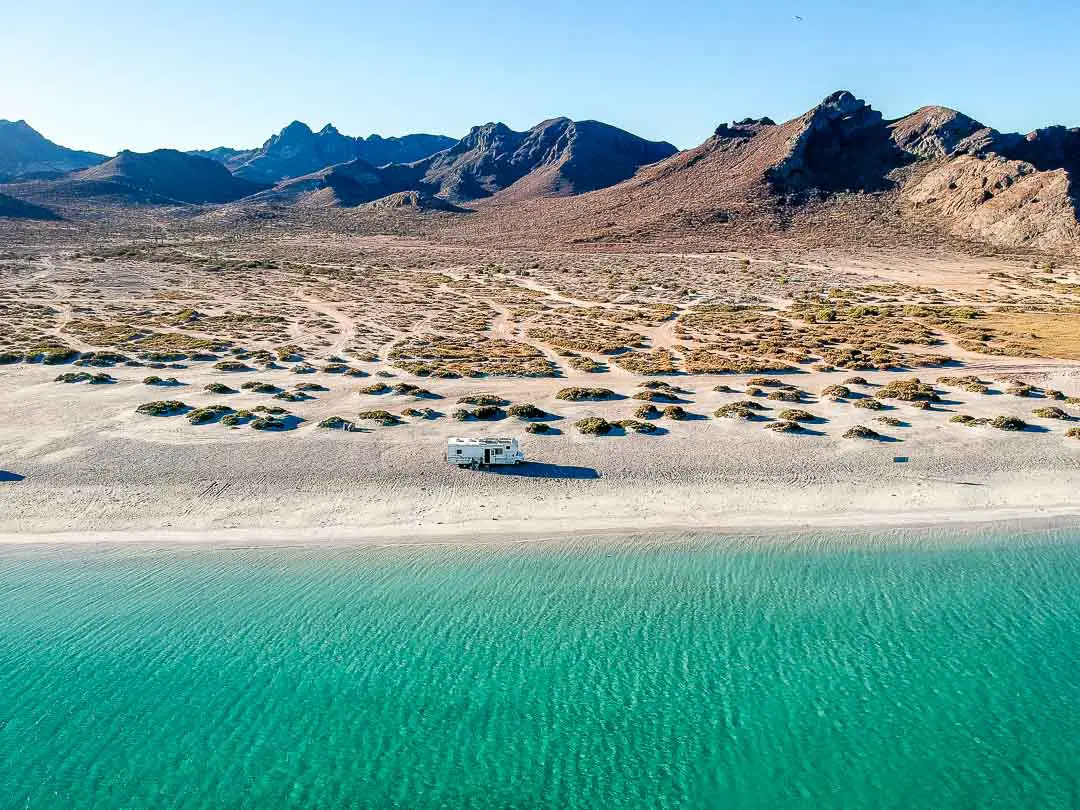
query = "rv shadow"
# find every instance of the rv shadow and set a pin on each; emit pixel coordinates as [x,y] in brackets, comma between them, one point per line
[540,469]
[10,476]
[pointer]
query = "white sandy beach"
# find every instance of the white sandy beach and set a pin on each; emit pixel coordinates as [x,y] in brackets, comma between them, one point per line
[80,465]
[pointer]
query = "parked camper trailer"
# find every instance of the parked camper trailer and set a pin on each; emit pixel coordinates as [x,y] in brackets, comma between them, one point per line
[481,452]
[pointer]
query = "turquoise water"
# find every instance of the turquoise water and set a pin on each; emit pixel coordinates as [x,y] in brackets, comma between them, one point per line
[684,675]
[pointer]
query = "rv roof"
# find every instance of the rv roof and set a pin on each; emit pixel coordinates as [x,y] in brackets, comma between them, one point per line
[482,440]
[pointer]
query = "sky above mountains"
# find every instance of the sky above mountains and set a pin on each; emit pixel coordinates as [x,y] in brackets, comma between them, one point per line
[120,74]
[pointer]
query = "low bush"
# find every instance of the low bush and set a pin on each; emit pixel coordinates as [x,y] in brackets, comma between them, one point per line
[913,390]
[209,413]
[594,426]
[73,377]
[375,388]
[1073,433]
[637,425]
[745,409]
[408,389]
[219,388]
[337,423]
[786,395]
[577,394]
[869,404]
[1022,389]
[856,381]
[766,382]
[238,418]
[480,399]
[861,432]
[526,410]
[379,417]
[166,407]
[969,383]
[461,414]
[1008,423]
[537,427]
[656,396]
[275,410]
[796,415]
[646,411]
[891,421]
[302,368]
[335,368]
[836,392]
[1051,412]
[7,358]
[966,419]
[232,365]
[57,357]
[420,413]
[268,423]
[675,412]
[292,396]
[724,389]
[260,387]
[310,386]
[754,391]
[784,426]
[488,412]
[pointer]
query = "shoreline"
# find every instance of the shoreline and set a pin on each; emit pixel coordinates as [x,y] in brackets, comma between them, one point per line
[903,530]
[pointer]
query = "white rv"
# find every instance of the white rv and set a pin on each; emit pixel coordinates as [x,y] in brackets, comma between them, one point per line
[480,452]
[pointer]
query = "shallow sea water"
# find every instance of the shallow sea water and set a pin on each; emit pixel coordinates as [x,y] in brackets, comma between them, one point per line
[705,673]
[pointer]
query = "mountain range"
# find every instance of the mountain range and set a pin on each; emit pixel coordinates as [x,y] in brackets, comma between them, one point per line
[837,165]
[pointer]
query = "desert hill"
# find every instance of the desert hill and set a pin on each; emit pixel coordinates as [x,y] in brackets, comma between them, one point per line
[164,174]
[27,154]
[13,208]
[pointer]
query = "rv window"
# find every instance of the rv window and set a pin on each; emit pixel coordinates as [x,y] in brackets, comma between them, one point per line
[459,451]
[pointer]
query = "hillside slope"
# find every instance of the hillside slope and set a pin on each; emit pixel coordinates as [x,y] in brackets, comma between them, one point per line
[168,174]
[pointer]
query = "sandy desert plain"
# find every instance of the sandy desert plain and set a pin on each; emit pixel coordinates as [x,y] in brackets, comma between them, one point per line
[740,390]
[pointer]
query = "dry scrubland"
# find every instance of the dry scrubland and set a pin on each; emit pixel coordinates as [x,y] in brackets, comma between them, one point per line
[307,381]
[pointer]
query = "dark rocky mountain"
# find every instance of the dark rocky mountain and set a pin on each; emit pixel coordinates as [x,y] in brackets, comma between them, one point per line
[13,208]
[296,151]
[27,154]
[557,157]
[164,175]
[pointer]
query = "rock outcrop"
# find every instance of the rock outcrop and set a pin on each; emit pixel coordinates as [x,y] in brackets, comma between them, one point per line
[26,154]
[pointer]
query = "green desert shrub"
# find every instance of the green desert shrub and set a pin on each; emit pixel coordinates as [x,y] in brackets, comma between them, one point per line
[1022,389]
[594,426]
[578,394]
[966,419]
[796,415]
[73,377]
[232,365]
[379,417]
[869,404]
[7,358]
[310,386]
[488,412]
[1073,433]
[1008,423]
[637,426]
[57,357]
[420,413]
[335,368]
[655,396]
[856,381]
[165,407]
[480,399]
[337,423]
[786,395]
[784,426]
[219,388]
[461,414]
[238,418]
[737,410]
[766,382]
[376,388]
[537,427]
[647,411]
[260,387]
[913,390]
[292,396]
[275,410]
[724,389]
[1050,412]
[754,391]
[861,432]
[526,410]
[268,423]
[209,413]
[676,412]
[302,368]
[836,392]
[969,383]
[891,421]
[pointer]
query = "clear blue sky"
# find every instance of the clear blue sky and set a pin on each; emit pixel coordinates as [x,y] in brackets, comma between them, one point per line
[140,75]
